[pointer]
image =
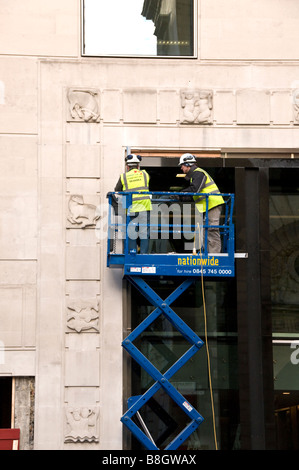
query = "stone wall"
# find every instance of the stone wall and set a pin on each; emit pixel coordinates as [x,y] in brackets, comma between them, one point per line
[65,124]
[24,410]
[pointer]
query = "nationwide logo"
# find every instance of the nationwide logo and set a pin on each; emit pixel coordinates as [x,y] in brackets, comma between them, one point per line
[198,261]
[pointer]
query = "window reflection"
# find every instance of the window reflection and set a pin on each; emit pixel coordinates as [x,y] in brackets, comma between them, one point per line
[138,27]
[284,239]
[163,345]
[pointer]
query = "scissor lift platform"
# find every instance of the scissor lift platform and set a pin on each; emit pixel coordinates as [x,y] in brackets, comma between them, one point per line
[190,266]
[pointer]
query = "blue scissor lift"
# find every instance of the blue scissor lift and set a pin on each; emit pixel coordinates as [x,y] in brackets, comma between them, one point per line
[191,265]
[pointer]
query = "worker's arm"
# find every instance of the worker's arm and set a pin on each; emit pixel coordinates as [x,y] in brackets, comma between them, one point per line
[119,186]
[198,182]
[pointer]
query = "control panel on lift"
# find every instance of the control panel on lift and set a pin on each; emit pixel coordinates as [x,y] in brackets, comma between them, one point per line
[177,236]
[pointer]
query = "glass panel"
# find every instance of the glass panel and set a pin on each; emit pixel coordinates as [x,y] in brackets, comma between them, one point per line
[138,27]
[163,345]
[284,239]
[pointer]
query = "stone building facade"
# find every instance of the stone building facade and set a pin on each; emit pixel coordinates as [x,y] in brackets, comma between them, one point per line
[66,122]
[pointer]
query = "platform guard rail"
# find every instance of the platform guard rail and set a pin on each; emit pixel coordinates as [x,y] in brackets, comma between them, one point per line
[194,261]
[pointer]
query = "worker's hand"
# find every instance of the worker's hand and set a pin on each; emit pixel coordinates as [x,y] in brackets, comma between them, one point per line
[185,198]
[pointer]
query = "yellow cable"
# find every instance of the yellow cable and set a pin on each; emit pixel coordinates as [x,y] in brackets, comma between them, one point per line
[207,345]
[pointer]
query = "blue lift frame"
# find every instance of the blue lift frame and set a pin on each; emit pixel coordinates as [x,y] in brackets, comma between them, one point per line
[137,268]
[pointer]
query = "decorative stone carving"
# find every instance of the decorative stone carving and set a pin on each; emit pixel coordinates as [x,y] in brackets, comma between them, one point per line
[296,106]
[196,106]
[82,424]
[83,315]
[83,105]
[80,214]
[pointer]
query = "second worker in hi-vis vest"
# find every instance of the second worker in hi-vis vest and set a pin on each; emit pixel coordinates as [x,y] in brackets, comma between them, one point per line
[135,179]
[201,182]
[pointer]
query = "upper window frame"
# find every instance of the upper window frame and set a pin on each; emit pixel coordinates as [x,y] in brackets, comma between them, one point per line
[143,56]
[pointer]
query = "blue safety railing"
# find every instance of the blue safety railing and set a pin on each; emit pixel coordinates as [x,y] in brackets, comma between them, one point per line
[177,236]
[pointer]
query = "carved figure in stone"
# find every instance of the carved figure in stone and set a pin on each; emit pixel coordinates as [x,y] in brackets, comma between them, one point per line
[83,105]
[196,106]
[83,315]
[81,214]
[296,105]
[82,424]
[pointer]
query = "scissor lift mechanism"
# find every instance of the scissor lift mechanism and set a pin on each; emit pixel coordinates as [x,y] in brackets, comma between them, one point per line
[191,267]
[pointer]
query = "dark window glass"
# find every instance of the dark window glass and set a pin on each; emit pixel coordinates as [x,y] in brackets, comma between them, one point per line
[284,238]
[5,402]
[163,345]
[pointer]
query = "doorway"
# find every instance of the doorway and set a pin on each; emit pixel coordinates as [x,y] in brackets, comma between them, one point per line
[284,238]
[217,400]
[252,319]
[5,402]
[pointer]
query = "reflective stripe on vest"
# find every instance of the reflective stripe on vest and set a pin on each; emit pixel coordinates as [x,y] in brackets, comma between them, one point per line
[210,187]
[137,180]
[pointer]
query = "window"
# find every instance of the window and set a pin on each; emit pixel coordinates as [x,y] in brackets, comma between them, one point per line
[284,230]
[5,402]
[148,28]
[162,344]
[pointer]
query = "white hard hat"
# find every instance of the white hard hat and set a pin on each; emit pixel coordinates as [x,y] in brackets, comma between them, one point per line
[187,159]
[133,159]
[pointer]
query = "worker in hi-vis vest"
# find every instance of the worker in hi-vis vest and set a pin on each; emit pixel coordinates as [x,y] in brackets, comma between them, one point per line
[135,179]
[201,182]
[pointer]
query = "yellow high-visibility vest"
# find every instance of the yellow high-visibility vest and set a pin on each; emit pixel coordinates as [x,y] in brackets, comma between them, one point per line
[137,180]
[209,187]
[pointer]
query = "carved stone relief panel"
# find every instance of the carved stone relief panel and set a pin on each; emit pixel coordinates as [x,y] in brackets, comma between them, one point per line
[196,106]
[80,214]
[296,106]
[83,105]
[82,424]
[83,315]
